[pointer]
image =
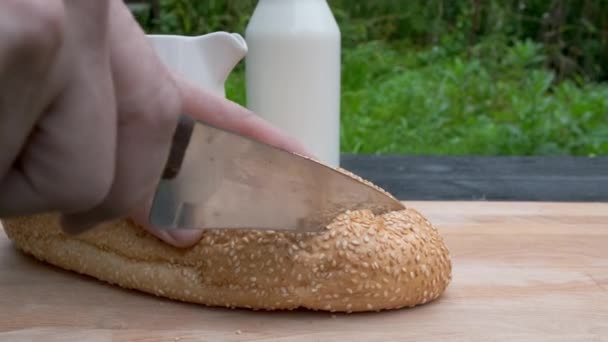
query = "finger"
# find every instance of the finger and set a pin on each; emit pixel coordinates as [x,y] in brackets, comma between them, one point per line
[19,196]
[30,37]
[91,37]
[67,164]
[148,105]
[181,238]
[141,154]
[228,115]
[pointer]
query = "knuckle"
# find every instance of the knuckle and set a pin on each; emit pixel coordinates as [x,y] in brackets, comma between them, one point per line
[36,26]
[82,191]
[156,110]
[119,205]
[98,190]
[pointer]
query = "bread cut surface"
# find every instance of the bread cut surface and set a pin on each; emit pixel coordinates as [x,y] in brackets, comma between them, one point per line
[360,262]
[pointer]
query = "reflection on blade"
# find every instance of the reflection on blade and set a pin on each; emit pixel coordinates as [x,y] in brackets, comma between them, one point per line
[229,181]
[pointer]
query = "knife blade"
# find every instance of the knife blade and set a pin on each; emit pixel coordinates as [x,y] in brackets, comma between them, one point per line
[216,179]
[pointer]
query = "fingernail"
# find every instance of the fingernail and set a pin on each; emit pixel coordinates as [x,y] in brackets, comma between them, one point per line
[184,237]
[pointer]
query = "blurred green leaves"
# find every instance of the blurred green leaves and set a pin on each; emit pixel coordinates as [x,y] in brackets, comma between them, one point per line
[399,103]
[451,76]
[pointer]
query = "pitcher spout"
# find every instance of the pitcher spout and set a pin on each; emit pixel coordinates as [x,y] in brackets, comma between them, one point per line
[239,43]
[222,51]
[205,60]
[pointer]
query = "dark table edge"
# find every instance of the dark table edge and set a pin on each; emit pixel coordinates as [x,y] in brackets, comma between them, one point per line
[486,178]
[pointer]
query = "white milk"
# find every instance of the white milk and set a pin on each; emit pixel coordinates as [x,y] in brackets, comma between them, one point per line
[293,72]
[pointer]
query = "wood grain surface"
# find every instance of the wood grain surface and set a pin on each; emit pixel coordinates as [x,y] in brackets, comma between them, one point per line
[522,272]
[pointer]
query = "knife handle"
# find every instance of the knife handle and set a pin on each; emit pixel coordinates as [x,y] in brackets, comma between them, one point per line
[179,144]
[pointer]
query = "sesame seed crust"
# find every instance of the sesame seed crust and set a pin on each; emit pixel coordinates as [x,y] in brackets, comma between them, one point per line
[359,262]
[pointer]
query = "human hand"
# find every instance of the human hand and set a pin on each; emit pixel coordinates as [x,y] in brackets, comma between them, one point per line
[87,113]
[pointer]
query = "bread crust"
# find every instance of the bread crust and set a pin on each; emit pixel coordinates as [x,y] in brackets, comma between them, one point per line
[360,262]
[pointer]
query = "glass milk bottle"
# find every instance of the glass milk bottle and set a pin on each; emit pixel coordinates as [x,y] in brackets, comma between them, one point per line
[293,72]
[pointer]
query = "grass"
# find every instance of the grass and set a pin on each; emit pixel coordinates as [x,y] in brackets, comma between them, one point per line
[496,99]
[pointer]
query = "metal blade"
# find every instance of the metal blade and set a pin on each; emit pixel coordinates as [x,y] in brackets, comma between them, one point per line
[229,181]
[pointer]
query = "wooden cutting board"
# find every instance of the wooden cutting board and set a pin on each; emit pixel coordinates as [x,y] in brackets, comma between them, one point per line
[522,272]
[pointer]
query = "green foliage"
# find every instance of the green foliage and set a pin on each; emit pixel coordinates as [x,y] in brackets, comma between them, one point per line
[199,17]
[574,34]
[454,105]
[452,76]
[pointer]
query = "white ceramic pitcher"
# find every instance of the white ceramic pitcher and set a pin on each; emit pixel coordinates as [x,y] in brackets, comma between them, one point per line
[205,60]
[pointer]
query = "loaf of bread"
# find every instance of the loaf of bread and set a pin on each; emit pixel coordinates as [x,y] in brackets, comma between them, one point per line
[360,262]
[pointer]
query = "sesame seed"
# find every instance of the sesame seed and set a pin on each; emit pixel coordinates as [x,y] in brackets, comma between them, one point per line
[223,254]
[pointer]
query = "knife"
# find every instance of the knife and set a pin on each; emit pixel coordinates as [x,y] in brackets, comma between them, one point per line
[216,179]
